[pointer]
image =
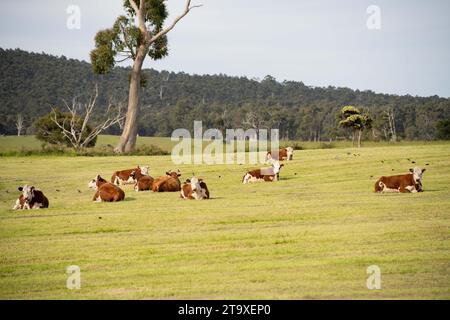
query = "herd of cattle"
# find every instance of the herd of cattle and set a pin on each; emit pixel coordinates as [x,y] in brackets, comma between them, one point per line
[196,188]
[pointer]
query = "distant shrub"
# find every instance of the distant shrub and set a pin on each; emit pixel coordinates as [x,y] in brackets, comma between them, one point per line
[326,145]
[49,132]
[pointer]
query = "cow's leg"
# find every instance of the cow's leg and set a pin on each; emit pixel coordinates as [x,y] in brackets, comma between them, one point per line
[403,189]
[411,189]
[18,205]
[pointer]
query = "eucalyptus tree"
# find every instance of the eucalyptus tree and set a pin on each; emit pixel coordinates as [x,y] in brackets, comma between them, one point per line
[139,33]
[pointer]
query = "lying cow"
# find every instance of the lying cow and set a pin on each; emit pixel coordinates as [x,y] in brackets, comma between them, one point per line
[31,198]
[168,183]
[143,182]
[411,182]
[194,189]
[281,155]
[264,174]
[105,191]
[124,176]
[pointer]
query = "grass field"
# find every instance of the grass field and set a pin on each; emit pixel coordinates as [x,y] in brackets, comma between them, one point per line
[311,235]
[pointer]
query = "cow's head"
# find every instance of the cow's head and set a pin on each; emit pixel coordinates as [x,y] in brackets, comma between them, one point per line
[173,174]
[276,167]
[28,192]
[144,170]
[195,184]
[96,182]
[290,153]
[417,174]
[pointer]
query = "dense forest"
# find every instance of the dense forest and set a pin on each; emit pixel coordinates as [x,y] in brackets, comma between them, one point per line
[31,84]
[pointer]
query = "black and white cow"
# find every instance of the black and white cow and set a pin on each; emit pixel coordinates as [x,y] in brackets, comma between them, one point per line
[31,198]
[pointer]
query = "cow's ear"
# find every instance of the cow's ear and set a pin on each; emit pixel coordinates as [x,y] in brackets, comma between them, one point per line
[423,170]
[188,180]
[411,170]
[179,175]
[167,173]
[20,188]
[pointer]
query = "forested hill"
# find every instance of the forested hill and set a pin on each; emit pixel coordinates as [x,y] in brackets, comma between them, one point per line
[31,83]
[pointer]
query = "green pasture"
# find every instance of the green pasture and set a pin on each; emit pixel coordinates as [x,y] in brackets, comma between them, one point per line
[310,235]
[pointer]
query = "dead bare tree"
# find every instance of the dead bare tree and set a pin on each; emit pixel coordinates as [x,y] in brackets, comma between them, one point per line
[19,124]
[389,114]
[78,135]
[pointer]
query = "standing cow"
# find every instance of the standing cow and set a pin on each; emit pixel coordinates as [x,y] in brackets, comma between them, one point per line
[264,174]
[124,176]
[410,182]
[105,191]
[194,189]
[31,198]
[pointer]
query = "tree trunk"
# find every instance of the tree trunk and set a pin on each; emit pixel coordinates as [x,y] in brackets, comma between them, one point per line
[359,138]
[128,139]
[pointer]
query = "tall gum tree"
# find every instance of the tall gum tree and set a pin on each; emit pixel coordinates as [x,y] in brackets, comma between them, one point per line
[137,34]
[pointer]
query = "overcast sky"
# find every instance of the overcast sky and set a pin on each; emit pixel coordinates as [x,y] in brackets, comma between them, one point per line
[319,42]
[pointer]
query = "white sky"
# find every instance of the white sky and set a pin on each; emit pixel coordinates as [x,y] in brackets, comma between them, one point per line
[319,42]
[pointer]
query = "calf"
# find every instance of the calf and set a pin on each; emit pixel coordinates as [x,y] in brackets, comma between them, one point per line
[168,183]
[282,154]
[194,189]
[411,182]
[124,176]
[264,174]
[105,191]
[31,199]
[143,182]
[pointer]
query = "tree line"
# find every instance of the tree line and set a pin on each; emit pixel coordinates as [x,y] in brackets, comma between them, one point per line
[33,84]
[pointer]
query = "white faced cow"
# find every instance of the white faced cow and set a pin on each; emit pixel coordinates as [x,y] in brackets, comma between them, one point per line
[264,174]
[411,182]
[194,189]
[31,198]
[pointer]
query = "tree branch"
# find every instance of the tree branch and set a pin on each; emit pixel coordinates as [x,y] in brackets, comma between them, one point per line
[163,32]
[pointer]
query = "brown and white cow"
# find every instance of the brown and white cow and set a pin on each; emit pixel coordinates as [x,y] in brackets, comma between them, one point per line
[143,182]
[124,176]
[264,174]
[105,191]
[31,198]
[194,189]
[411,182]
[281,155]
[168,183]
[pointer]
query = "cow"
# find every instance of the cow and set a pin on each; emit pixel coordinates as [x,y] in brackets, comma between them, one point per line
[410,182]
[264,174]
[123,177]
[281,155]
[31,198]
[194,189]
[105,191]
[168,183]
[143,182]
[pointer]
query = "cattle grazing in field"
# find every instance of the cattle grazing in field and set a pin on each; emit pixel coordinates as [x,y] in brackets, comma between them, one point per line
[105,191]
[281,155]
[411,182]
[168,183]
[264,174]
[143,182]
[194,188]
[31,198]
[124,176]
